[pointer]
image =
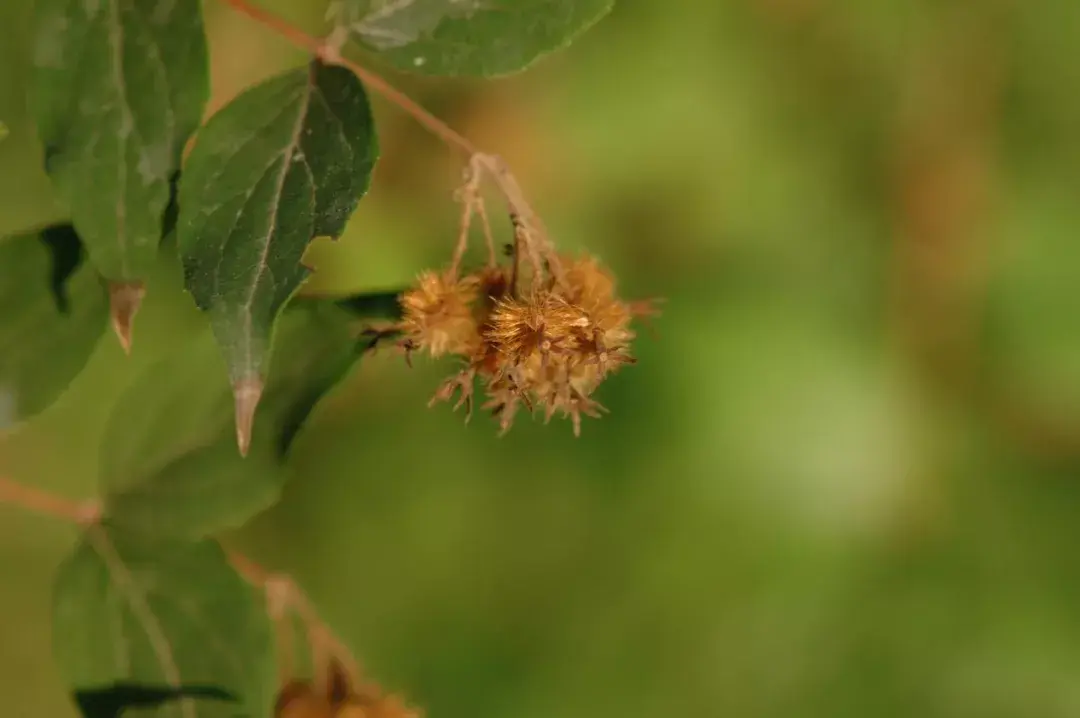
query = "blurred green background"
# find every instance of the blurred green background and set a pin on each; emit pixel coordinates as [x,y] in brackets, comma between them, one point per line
[841,481]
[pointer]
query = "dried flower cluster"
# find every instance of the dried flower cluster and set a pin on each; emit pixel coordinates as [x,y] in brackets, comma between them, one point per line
[546,347]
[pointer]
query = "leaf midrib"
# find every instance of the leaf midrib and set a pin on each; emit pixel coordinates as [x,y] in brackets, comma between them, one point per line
[125,584]
[264,251]
[116,46]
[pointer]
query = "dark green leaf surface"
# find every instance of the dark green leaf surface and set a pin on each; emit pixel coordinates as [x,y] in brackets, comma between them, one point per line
[119,86]
[158,618]
[168,458]
[283,163]
[53,310]
[468,37]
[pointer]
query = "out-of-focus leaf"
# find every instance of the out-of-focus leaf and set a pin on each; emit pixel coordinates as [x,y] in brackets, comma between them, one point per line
[119,86]
[53,309]
[168,458]
[285,162]
[139,621]
[467,37]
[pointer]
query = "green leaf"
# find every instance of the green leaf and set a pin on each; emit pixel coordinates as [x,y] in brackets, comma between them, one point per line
[119,86]
[137,620]
[285,162]
[168,458]
[467,37]
[53,310]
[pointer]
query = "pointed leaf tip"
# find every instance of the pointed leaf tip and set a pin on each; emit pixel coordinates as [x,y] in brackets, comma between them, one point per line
[125,298]
[247,393]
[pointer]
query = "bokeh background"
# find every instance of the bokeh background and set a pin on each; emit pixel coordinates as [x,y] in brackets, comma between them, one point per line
[843,479]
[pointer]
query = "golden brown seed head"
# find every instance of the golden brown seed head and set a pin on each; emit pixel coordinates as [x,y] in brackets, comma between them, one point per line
[588,284]
[548,348]
[437,314]
[539,326]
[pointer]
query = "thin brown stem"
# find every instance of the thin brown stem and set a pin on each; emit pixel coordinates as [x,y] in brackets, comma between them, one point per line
[515,272]
[535,234]
[469,196]
[463,236]
[430,122]
[489,238]
[285,596]
[293,34]
[524,240]
[42,502]
[534,237]
[329,51]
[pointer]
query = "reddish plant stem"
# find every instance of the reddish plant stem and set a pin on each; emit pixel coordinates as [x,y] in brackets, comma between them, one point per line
[430,122]
[531,229]
[329,53]
[42,502]
[284,596]
[280,589]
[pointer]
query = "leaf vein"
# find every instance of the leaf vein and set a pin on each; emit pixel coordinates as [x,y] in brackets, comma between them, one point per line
[264,251]
[116,44]
[140,609]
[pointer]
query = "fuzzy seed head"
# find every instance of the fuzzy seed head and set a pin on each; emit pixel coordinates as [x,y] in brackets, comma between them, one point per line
[437,314]
[543,325]
[546,348]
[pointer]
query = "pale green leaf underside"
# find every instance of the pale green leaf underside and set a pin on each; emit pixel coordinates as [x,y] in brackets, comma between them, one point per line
[118,87]
[50,319]
[468,37]
[158,614]
[283,163]
[168,456]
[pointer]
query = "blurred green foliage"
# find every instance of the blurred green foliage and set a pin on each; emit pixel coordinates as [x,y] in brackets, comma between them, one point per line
[842,479]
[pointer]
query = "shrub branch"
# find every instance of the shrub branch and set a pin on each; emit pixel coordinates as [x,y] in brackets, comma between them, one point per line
[283,596]
[41,502]
[479,163]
